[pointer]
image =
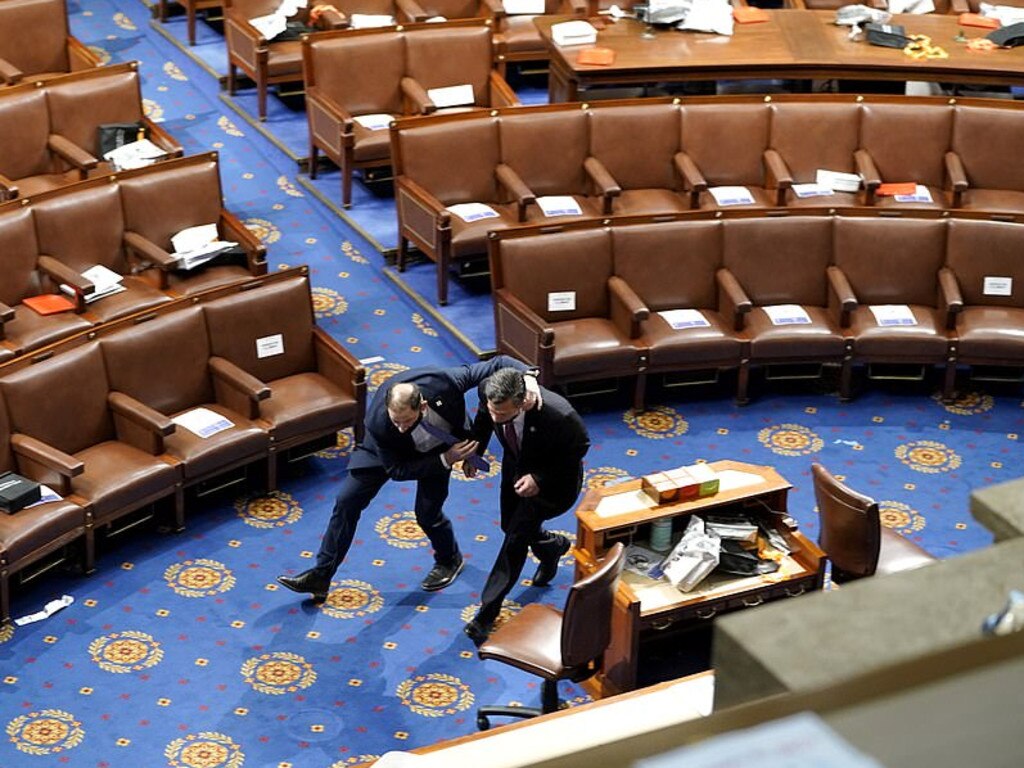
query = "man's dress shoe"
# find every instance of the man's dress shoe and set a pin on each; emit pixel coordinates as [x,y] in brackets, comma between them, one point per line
[477,632]
[308,581]
[548,567]
[441,575]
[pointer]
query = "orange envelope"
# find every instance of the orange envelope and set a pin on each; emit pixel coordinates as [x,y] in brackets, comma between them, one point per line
[900,188]
[977,20]
[597,56]
[48,304]
[748,14]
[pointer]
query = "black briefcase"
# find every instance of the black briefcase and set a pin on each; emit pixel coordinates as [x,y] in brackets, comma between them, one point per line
[886,35]
[17,492]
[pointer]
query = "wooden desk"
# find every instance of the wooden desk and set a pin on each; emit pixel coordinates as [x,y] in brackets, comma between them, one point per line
[643,606]
[793,44]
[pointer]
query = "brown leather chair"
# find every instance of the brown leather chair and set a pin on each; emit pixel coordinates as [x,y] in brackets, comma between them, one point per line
[670,266]
[853,536]
[795,153]
[83,227]
[904,143]
[596,336]
[35,42]
[982,173]
[160,201]
[317,387]
[988,322]
[266,62]
[884,261]
[558,645]
[96,448]
[632,151]
[23,329]
[165,363]
[725,145]
[781,261]
[192,7]
[42,534]
[517,36]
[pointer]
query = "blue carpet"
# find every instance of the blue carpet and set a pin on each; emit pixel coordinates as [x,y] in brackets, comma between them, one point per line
[182,651]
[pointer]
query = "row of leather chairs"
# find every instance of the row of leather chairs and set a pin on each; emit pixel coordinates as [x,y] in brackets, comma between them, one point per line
[586,300]
[36,43]
[50,129]
[388,73]
[124,222]
[93,417]
[662,156]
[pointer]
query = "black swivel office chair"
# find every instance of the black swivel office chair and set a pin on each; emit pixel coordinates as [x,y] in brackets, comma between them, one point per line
[557,645]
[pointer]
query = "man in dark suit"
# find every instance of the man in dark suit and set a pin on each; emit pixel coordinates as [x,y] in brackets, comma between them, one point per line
[544,443]
[416,429]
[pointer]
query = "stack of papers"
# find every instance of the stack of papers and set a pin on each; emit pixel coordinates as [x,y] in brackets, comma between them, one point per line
[197,245]
[106,281]
[136,154]
[919,195]
[577,32]
[837,180]
[812,190]
[273,24]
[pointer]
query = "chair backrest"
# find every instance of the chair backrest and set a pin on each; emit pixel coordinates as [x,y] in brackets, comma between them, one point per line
[438,57]
[453,160]
[547,150]
[24,129]
[726,141]
[83,228]
[851,530]
[977,250]
[831,147]
[978,135]
[587,619]
[908,142]
[80,104]
[379,58]
[619,133]
[18,255]
[34,35]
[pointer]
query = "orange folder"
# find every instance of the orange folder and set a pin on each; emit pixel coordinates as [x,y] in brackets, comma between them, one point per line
[748,14]
[48,304]
[597,55]
[977,20]
[899,188]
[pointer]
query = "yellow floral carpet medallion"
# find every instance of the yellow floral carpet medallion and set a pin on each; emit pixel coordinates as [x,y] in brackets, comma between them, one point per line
[401,530]
[278,673]
[435,695]
[47,732]
[199,578]
[657,422]
[127,651]
[204,750]
[276,509]
[351,599]
[928,456]
[790,440]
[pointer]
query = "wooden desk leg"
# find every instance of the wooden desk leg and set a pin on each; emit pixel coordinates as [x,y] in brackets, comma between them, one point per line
[619,669]
[562,87]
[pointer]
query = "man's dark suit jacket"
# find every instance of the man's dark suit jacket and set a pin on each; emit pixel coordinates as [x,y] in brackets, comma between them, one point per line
[551,449]
[444,390]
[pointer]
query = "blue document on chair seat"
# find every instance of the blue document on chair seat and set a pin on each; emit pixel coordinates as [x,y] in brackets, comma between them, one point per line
[893,314]
[787,314]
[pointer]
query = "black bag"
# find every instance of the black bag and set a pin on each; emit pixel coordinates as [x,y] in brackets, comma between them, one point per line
[294,31]
[1008,37]
[114,135]
[886,35]
[734,559]
[17,492]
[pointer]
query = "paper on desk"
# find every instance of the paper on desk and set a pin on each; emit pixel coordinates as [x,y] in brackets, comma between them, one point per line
[731,479]
[375,122]
[202,422]
[395,759]
[624,503]
[709,16]
[48,610]
[1005,14]
[559,205]
[797,741]
[371,20]
[910,6]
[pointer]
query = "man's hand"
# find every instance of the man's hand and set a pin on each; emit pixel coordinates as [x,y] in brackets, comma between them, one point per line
[533,398]
[526,486]
[469,470]
[459,451]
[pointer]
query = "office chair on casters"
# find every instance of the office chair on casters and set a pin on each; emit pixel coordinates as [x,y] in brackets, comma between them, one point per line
[557,645]
[853,536]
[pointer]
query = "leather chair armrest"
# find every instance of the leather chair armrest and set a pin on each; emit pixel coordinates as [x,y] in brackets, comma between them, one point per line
[495,9]
[408,187]
[149,251]
[163,139]
[9,73]
[777,175]
[950,297]
[841,298]
[411,10]
[319,101]
[606,185]
[6,316]
[416,96]
[331,18]
[579,7]
[732,299]
[61,273]
[338,365]
[502,94]
[71,153]
[235,231]
[693,179]
[8,189]
[139,425]
[80,56]
[628,310]
[957,177]
[43,463]
[511,181]
[520,323]
[868,173]
[237,390]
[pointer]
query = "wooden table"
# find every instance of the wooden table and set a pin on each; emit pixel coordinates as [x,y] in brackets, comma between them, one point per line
[792,44]
[644,607]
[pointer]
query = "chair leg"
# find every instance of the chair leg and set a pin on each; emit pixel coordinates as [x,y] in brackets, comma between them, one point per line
[949,380]
[549,696]
[272,472]
[346,184]
[743,383]
[640,392]
[232,78]
[846,379]
[89,555]
[403,253]
[5,601]
[261,98]
[179,508]
[314,158]
[191,24]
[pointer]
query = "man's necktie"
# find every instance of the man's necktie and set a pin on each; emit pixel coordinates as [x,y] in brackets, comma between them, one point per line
[449,439]
[511,438]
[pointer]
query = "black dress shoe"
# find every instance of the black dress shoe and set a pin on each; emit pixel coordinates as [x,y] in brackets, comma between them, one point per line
[308,581]
[441,576]
[478,632]
[548,567]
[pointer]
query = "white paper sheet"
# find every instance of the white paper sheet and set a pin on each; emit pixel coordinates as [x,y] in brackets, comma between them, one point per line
[812,190]
[837,180]
[193,238]
[561,301]
[376,122]
[134,154]
[559,205]
[370,20]
[684,318]
[731,195]
[576,32]
[997,286]
[910,6]
[893,314]
[48,610]
[469,212]
[624,503]
[271,25]
[270,346]
[451,95]
[46,495]
[921,195]
[523,7]
[787,314]
[202,422]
